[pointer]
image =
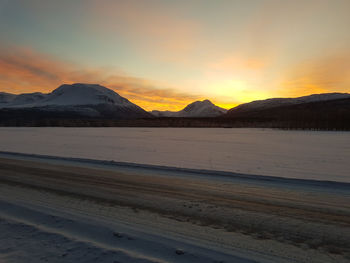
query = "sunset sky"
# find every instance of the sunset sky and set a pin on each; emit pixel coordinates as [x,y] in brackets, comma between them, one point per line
[166,54]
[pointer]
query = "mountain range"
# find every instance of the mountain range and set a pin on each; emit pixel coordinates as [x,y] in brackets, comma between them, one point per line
[92,101]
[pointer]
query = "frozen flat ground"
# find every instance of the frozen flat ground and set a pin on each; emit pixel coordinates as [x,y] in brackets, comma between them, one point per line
[292,154]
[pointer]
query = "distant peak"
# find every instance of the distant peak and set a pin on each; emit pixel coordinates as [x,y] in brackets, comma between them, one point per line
[205,102]
[81,85]
[85,85]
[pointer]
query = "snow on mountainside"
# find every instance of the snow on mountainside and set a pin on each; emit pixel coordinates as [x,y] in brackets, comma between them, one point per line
[84,94]
[85,99]
[167,113]
[67,95]
[97,101]
[276,102]
[6,98]
[203,108]
[28,99]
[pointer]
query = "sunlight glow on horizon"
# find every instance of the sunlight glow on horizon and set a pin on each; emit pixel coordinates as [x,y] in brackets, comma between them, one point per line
[163,55]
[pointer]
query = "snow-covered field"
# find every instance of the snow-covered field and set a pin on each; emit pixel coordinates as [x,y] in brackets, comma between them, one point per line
[293,154]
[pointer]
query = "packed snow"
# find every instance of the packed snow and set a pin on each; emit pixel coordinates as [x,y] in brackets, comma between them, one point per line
[47,223]
[291,154]
[52,228]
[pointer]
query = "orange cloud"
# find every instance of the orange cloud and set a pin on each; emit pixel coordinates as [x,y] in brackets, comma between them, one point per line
[23,70]
[325,74]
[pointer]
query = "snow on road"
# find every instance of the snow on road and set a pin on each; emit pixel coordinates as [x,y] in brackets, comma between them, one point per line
[293,154]
[36,226]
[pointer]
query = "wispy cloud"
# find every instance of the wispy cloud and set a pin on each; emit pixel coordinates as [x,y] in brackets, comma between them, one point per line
[24,70]
[151,27]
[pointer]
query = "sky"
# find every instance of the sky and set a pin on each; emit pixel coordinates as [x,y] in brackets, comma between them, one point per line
[163,55]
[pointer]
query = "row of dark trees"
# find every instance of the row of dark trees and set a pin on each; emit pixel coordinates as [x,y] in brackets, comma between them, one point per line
[330,115]
[309,124]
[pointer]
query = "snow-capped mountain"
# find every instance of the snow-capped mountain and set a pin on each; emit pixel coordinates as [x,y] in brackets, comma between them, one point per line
[85,99]
[84,94]
[319,111]
[277,102]
[203,108]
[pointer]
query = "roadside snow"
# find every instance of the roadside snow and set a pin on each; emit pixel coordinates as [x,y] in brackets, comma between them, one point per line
[51,228]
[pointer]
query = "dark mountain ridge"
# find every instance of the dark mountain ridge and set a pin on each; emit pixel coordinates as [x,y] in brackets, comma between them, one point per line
[94,105]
